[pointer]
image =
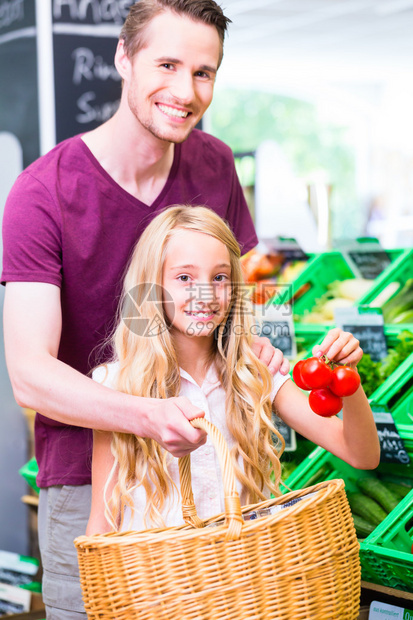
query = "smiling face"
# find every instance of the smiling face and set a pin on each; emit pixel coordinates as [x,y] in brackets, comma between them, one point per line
[169,82]
[196,274]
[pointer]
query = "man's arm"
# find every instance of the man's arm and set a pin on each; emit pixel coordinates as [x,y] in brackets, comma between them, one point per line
[32,329]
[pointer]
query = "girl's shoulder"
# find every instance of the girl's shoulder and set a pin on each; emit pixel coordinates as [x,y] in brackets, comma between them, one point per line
[106,374]
[278,381]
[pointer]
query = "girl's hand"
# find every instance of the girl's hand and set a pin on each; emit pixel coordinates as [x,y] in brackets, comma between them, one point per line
[340,347]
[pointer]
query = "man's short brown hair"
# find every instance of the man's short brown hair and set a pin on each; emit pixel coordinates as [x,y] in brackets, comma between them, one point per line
[142,12]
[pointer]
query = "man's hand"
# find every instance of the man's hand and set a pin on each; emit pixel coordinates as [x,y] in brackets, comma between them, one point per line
[270,356]
[167,423]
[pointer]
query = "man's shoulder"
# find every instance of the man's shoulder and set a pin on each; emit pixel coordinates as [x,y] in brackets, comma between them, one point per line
[199,141]
[63,153]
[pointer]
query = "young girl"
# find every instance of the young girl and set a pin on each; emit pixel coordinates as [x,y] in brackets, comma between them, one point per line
[185,329]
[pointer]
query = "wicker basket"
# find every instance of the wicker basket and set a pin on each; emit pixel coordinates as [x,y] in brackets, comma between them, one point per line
[301,562]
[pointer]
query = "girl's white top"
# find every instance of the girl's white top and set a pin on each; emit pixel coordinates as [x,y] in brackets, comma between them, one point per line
[205,470]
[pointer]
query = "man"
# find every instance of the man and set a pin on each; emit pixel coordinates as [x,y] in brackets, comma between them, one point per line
[69,226]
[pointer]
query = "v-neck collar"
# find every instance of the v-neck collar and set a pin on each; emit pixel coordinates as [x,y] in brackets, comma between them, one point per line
[132,199]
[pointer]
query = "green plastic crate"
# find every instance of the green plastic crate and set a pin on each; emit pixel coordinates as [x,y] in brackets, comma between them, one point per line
[399,271]
[397,393]
[29,472]
[306,336]
[309,334]
[387,551]
[313,281]
[320,271]
[321,465]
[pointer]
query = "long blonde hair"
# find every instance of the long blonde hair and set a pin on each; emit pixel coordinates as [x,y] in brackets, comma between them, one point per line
[148,367]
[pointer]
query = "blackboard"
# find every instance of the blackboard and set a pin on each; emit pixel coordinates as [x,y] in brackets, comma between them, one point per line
[391,444]
[287,433]
[279,333]
[370,263]
[287,246]
[372,339]
[91,12]
[19,98]
[87,85]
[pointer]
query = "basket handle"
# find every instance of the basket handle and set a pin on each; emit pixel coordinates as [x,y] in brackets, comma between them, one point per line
[233,516]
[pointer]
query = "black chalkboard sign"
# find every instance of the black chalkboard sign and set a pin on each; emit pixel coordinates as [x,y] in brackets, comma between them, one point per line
[287,433]
[87,85]
[279,333]
[370,263]
[19,97]
[391,444]
[372,339]
[91,12]
[287,246]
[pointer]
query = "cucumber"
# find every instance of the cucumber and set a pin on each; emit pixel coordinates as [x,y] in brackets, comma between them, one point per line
[319,476]
[372,487]
[366,507]
[401,490]
[405,481]
[363,527]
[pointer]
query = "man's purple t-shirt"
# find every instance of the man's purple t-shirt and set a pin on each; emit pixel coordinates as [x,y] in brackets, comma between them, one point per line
[68,223]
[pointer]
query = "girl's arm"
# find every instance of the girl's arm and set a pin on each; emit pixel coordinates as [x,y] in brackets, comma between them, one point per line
[102,463]
[354,438]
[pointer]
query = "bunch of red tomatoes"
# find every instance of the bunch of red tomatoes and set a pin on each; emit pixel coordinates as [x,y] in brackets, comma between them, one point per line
[327,382]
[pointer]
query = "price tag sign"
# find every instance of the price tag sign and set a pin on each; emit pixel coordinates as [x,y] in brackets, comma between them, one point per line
[367,325]
[287,246]
[287,433]
[370,263]
[275,321]
[391,444]
[365,256]
[385,611]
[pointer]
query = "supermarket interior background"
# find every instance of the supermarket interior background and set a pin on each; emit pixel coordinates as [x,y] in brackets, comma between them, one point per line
[315,98]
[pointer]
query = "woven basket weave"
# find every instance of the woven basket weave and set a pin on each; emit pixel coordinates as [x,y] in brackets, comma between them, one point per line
[300,563]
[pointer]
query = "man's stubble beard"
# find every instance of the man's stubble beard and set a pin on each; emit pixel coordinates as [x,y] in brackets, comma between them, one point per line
[150,126]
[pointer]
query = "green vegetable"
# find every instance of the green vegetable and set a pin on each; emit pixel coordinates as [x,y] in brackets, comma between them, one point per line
[339,294]
[399,309]
[363,527]
[401,490]
[398,354]
[372,374]
[366,507]
[406,481]
[351,288]
[319,476]
[372,487]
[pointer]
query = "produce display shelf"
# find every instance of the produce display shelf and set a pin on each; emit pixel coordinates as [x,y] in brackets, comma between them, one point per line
[309,334]
[397,394]
[313,281]
[400,271]
[387,552]
[389,566]
[321,270]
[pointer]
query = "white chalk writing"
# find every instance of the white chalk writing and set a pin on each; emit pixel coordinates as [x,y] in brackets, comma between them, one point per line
[91,113]
[89,67]
[11,11]
[97,10]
